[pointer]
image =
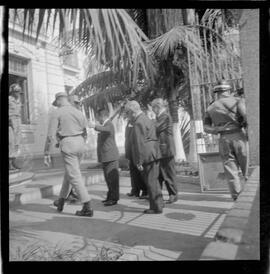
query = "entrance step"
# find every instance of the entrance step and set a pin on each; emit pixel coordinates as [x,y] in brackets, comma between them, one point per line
[18,178]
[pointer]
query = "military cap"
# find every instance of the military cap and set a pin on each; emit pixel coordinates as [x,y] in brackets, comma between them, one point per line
[57,95]
[222,86]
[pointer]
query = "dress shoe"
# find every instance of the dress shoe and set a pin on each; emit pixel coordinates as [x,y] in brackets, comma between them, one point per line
[86,211]
[60,206]
[106,200]
[172,199]
[152,211]
[110,203]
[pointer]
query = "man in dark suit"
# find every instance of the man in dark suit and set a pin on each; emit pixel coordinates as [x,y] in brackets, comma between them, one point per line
[108,155]
[145,154]
[137,181]
[167,148]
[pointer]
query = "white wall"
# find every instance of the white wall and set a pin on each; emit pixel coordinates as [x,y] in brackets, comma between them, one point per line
[46,78]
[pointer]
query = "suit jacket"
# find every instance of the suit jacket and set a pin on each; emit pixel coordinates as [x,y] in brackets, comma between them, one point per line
[145,147]
[165,135]
[128,140]
[106,146]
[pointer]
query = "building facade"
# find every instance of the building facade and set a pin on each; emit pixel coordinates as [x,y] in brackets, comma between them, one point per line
[42,70]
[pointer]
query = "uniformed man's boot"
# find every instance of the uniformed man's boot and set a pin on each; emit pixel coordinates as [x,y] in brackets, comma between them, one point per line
[60,206]
[86,210]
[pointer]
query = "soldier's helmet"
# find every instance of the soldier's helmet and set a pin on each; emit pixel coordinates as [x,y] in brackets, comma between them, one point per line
[221,86]
[14,88]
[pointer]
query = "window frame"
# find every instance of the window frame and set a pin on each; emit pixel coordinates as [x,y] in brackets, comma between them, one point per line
[27,87]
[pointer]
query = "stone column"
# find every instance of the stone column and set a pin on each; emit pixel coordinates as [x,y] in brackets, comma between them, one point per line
[249,45]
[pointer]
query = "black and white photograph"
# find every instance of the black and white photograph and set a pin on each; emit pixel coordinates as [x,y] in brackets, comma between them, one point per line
[133,134]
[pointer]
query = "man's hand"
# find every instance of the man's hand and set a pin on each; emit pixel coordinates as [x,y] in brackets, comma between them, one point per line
[47,160]
[140,167]
[91,124]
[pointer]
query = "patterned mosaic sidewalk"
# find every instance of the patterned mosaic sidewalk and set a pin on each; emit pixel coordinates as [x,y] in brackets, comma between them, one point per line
[194,216]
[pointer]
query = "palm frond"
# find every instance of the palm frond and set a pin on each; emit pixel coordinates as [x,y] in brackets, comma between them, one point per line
[97,82]
[100,99]
[110,34]
[185,131]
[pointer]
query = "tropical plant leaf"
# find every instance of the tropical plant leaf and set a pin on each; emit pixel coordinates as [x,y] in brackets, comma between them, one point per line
[110,34]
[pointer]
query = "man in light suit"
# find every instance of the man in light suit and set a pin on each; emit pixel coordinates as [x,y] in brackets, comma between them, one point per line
[72,197]
[167,148]
[70,126]
[145,154]
[108,155]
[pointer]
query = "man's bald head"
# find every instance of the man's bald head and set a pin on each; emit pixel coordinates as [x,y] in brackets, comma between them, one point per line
[132,109]
[133,106]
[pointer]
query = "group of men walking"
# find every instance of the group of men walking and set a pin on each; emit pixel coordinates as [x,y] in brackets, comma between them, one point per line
[150,150]
[149,147]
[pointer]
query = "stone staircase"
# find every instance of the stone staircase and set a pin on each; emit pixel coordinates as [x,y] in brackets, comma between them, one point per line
[18,177]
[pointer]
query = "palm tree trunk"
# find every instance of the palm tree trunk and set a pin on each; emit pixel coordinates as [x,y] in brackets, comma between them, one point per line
[197,145]
[192,157]
[179,148]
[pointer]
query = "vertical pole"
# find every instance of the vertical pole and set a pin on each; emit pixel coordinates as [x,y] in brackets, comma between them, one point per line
[218,54]
[207,62]
[213,56]
[193,158]
[225,51]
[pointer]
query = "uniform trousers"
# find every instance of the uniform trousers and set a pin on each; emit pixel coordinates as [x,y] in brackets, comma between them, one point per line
[168,175]
[111,175]
[150,174]
[233,148]
[72,149]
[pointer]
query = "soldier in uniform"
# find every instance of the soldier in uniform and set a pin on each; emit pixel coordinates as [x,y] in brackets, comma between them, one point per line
[145,154]
[70,124]
[167,148]
[14,104]
[72,197]
[227,116]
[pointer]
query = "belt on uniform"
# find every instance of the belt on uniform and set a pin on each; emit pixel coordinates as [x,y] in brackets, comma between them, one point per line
[230,131]
[62,137]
